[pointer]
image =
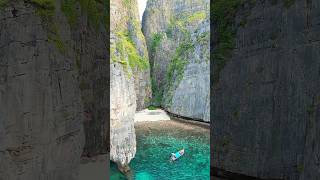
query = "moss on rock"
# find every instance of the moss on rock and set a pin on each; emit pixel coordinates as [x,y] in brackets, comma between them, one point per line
[128,53]
[3,3]
[156,40]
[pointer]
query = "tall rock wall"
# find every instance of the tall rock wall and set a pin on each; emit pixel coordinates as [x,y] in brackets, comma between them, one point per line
[129,76]
[41,133]
[41,100]
[266,102]
[177,34]
[90,43]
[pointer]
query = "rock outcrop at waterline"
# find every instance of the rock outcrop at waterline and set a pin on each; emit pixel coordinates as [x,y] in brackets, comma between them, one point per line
[130,79]
[266,112]
[177,34]
[41,106]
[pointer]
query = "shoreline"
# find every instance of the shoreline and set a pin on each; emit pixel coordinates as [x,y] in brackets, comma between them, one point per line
[192,122]
[185,118]
[202,124]
[182,122]
[174,117]
[171,125]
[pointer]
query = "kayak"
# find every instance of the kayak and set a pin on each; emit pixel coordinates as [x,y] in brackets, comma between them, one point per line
[177,155]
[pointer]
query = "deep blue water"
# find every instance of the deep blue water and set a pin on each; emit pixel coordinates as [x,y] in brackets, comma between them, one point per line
[154,147]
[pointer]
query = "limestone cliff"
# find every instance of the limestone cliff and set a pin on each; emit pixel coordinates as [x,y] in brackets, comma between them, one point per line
[92,62]
[41,106]
[266,98]
[177,35]
[129,76]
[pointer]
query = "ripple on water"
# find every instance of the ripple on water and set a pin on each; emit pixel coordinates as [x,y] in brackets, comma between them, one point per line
[154,149]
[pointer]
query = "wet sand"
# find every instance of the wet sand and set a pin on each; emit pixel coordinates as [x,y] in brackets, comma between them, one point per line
[171,125]
[151,115]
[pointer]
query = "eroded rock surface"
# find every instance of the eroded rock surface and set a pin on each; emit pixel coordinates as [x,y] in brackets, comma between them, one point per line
[177,34]
[130,79]
[41,132]
[266,103]
[42,99]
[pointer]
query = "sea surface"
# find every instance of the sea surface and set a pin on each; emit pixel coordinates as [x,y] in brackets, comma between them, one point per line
[155,143]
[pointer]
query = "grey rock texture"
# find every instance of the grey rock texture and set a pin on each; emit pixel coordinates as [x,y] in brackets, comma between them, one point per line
[95,91]
[41,133]
[177,34]
[122,110]
[52,81]
[130,79]
[92,62]
[266,105]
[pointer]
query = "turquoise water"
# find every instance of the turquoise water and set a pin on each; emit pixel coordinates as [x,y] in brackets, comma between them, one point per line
[155,145]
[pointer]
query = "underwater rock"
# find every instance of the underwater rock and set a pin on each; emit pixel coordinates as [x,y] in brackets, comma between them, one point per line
[125,169]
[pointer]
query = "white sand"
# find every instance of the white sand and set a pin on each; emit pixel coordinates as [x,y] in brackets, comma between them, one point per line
[151,115]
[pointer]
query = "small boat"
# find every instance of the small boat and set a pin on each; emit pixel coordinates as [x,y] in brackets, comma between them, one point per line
[177,155]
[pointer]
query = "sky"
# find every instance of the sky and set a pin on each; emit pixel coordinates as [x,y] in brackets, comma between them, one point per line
[142,6]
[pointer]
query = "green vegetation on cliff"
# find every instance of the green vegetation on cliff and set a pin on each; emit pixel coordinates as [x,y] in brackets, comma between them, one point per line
[45,4]
[224,13]
[176,67]
[156,40]
[179,40]
[127,50]
[46,9]
[3,3]
[178,62]
[223,16]
[68,7]
[157,92]
[177,29]
[288,3]
[95,13]
[190,18]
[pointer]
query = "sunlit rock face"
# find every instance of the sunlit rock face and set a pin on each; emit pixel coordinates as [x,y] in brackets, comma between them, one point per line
[266,112]
[123,107]
[177,34]
[130,87]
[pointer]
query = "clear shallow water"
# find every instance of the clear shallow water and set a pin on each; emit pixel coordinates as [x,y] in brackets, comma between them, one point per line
[155,143]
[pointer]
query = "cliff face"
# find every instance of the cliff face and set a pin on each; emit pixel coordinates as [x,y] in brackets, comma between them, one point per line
[266,102]
[40,101]
[177,35]
[90,43]
[129,76]
[41,107]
